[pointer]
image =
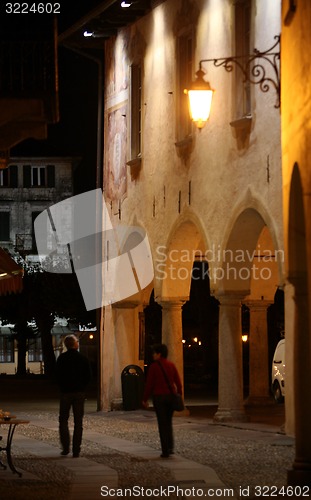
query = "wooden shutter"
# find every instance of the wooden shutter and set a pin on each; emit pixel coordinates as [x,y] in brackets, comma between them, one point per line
[13,176]
[4,226]
[27,175]
[51,175]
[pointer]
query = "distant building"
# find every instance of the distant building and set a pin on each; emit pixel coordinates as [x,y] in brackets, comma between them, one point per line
[28,186]
[34,357]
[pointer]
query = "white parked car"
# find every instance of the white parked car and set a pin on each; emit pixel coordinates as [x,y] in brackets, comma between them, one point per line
[278,372]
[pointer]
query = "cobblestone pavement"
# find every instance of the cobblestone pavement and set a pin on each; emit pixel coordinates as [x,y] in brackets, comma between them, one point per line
[120,456]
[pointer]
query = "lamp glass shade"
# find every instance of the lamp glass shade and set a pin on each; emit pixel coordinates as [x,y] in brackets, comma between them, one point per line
[200,102]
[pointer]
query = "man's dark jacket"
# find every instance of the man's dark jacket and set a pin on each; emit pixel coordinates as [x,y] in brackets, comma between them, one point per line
[73,371]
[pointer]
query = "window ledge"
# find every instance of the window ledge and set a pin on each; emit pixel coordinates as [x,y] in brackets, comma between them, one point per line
[242,123]
[184,147]
[184,143]
[135,166]
[136,162]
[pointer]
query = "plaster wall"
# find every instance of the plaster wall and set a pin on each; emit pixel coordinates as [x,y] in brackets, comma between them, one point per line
[223,171]
[296,106]
[224,179]
[296,158]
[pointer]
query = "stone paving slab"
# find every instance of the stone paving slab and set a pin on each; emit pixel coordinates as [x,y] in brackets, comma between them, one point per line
[196,474]
[185,472]
[89,476]
[7,474]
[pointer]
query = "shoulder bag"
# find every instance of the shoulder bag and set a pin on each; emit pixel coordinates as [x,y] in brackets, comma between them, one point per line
[177,400]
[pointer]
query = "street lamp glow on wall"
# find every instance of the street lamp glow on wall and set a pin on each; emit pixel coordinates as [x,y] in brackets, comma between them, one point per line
[254,71]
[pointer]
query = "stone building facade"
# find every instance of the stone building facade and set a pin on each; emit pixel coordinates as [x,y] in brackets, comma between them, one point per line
[213,195]
[27,187]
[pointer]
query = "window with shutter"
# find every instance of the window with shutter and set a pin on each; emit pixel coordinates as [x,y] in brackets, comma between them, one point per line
[27,176]
[4,177]
[38,176]
[185,77]
[242,48]
[136,115]
[6,349]
[35,350]
[13,176]
[51,176]
[4,226]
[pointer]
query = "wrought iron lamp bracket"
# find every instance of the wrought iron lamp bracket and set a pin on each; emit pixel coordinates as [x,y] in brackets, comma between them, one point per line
[253,69]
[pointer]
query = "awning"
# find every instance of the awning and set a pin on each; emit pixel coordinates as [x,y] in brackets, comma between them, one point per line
[11,274]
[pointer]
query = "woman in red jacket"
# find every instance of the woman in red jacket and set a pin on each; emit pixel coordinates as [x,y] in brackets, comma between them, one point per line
[162,380]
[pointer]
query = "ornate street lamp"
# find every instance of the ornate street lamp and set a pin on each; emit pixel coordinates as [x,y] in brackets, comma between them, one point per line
[200,99]
[200,94]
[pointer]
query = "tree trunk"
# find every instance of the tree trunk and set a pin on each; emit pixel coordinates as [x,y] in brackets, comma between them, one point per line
[48,352]
[44,325]
[21,353]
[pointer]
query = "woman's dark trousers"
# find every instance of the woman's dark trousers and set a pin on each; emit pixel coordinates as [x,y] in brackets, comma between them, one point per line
[163,408]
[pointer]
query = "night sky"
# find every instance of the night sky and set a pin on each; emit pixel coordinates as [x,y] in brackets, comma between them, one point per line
[76,133]
[18,25]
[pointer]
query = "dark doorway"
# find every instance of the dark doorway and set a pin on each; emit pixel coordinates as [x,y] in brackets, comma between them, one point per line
[275,324]
[200,335]
[153,327]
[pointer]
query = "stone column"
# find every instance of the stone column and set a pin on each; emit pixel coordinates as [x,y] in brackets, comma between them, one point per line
[290,312]
[107,359]
[100,317]
[230,383]
[172,332]
[301,472]
[258,353]
[119,350]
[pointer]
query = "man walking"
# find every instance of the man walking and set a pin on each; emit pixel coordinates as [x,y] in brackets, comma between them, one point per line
[73,375]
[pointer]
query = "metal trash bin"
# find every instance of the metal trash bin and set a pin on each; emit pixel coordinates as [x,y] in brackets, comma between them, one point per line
[132,381]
